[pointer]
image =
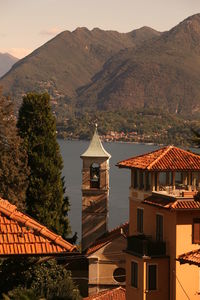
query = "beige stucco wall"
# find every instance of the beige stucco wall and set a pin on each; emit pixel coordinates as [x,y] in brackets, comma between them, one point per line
[178,237]
[103,262]
[187,276]
[131,292]
[187,282]
[184,231]
[142,293]
[169,232]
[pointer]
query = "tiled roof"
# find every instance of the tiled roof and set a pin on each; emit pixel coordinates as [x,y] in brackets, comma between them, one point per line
[108,237]
[114,294]
[172,203]
[20,234]
[192,257]
[169,158]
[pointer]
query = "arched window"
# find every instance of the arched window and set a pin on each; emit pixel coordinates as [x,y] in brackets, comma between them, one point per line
[95,176]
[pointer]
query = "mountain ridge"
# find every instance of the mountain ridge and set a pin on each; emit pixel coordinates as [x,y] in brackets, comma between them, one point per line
[68,61]
[104,70]
[6,62]
[159,73]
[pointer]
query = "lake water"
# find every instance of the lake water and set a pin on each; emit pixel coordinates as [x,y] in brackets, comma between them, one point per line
[119,179]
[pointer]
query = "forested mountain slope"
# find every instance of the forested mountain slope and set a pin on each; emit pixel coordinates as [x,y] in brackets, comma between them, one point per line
[163,73]
[69,61]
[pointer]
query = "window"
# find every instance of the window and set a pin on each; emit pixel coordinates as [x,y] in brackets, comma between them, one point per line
[135,179]
[119,274]
[141,180]
[159,228]
[196,231]
[147,176]
[134,274]
[152,277]
[140,220]
[156,181]
[95,176]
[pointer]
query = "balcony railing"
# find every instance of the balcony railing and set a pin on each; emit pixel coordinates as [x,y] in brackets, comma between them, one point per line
[142,245]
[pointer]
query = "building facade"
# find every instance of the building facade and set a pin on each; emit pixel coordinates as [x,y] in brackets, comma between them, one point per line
[164,224]
[106,259]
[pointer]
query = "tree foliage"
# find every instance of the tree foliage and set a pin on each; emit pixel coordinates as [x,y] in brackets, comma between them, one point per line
[27,278]
[45,193]
[13,158]
[196,138]
[148,125]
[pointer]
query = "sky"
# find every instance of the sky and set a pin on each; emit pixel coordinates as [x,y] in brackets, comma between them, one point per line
[27,24]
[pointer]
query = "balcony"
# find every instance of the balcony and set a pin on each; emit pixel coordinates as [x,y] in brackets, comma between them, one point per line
[142,245]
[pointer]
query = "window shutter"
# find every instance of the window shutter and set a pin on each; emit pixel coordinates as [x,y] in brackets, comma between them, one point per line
[152,277]
[159,228]
[135,179]
[140,220]
[134,274]
[196,232]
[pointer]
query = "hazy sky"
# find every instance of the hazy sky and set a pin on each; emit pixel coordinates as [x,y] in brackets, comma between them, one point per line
[27,24]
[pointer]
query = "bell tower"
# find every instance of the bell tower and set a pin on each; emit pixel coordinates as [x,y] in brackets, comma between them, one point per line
[95,191]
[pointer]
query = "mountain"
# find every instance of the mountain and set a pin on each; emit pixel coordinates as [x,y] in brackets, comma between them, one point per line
[69,61]
[163,73]
[107,70]
[6,62]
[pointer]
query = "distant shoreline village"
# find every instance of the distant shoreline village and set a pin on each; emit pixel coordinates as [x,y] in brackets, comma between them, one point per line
[121,137]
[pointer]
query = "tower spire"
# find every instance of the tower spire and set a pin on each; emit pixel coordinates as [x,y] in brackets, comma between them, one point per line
[96,148]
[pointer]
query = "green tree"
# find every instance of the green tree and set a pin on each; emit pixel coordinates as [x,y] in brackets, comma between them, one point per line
[28,278]
[45,193]
[13,158]
[196,137]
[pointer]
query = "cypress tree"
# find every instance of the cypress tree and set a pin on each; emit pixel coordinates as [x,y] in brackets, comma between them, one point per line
[45,197]
[13,158]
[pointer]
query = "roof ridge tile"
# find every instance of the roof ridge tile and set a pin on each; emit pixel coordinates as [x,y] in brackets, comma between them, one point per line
[159,157]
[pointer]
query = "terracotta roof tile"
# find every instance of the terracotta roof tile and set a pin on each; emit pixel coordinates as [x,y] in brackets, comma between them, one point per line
[172,203]
[169,158]
[20,234]
[108,237]
[114,294]
[192,257]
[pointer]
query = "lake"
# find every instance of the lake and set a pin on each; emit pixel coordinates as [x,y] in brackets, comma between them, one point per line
[119,179]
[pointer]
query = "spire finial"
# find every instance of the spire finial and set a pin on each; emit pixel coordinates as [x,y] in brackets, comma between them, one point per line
[96,125]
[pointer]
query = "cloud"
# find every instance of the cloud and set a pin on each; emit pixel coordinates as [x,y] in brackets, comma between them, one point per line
[51,31]
[17,52]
